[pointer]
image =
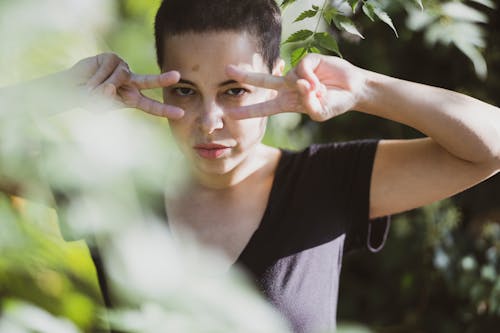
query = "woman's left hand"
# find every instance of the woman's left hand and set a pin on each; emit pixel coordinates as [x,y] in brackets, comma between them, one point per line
[320,86]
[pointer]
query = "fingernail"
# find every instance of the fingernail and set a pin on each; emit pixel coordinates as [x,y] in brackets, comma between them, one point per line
[177,114]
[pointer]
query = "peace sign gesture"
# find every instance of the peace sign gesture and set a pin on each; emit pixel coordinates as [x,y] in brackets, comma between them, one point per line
[109,76]
[319,86]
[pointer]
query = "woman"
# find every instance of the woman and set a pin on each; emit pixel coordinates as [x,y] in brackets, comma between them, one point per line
[288,217]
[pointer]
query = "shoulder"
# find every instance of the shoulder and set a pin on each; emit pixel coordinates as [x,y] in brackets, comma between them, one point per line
[354,151]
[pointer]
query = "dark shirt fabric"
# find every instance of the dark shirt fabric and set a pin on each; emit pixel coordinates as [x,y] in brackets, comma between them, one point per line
[318,210]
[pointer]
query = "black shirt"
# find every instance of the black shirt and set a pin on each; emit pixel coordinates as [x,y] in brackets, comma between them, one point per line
[318,209]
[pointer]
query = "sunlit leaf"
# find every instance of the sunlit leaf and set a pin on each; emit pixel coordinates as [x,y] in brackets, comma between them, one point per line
[487,3]
[417,19]
[33,319]
[297,55]
[476,57]
[353,4]
[466,36]
[285,3]
[420,4]
[298,36]
[460,11]
[384,17]
[306,14]
[369,10]
[325,40]
[344,23]
[329,14]
[314,50]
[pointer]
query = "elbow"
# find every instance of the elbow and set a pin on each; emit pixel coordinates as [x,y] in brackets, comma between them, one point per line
[490,160]
[496,155]
[497,163]
[495,159]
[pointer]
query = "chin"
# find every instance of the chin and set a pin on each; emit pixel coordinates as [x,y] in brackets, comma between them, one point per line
[217,167]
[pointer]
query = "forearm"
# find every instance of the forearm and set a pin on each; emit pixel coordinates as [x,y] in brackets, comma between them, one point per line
[47,95]
[464,126]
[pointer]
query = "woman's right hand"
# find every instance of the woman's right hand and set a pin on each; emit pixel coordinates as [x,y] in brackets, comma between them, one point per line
[108,76]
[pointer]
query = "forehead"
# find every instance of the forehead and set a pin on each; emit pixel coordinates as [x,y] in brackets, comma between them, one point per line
[208,54]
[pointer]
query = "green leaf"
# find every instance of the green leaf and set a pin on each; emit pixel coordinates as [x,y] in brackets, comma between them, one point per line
[285,3]
[315,7]
[487,3]
[344,23]
[326,41]
[369,10]
[462,12]
[420,4]
[329,13]
[297,55]
[298,36]
[313,50]
[476,57]
[353,4]
[384,17]
[306,14]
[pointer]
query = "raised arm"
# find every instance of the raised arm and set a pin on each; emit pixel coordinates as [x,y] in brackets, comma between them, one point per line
[463,144]
[462,148]
[102,81]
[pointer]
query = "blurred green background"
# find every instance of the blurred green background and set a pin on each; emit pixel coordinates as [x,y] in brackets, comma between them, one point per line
[439,271]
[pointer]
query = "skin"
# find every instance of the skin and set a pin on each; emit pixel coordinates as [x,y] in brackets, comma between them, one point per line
[205,93]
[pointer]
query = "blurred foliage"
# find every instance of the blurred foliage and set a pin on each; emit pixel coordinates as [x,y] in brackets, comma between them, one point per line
[440,269]
[435,275]
[37,266]
[452,22]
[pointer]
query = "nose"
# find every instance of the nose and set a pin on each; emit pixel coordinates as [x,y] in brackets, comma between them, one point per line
[211,117]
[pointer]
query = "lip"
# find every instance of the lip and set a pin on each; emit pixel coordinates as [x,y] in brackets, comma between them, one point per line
[211,151]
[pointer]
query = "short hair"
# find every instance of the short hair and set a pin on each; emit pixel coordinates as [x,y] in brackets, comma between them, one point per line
[260,18]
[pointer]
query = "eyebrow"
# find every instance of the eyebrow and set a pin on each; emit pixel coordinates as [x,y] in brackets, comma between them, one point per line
[225,83]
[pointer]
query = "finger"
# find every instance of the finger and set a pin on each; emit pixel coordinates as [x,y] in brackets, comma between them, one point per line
[159,109]
[309,99]
[263,80]
[120,76]
[155,81]
[305,69]
[255,110]
[106,65]
[304,87]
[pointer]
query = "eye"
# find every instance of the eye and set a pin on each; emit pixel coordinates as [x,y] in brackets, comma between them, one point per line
[183,91]
[236,91]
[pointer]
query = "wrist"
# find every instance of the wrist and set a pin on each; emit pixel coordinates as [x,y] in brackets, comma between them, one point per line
[367,91]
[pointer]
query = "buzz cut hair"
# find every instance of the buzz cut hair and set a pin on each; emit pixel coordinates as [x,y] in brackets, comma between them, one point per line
[261,19]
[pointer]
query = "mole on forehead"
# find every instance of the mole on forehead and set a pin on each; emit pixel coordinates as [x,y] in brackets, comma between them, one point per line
[195,68]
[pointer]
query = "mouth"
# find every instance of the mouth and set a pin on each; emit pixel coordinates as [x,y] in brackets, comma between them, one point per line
[211,151]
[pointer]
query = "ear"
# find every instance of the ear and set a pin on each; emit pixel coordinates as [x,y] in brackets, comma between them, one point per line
[279,68]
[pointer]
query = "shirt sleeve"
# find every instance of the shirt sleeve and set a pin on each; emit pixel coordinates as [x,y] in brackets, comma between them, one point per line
[361,232]
[346,170]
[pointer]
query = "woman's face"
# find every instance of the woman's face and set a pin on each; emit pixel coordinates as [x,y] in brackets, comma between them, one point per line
[208,137]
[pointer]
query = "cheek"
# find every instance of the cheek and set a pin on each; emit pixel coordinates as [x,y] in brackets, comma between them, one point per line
[181,129]
[251,131]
